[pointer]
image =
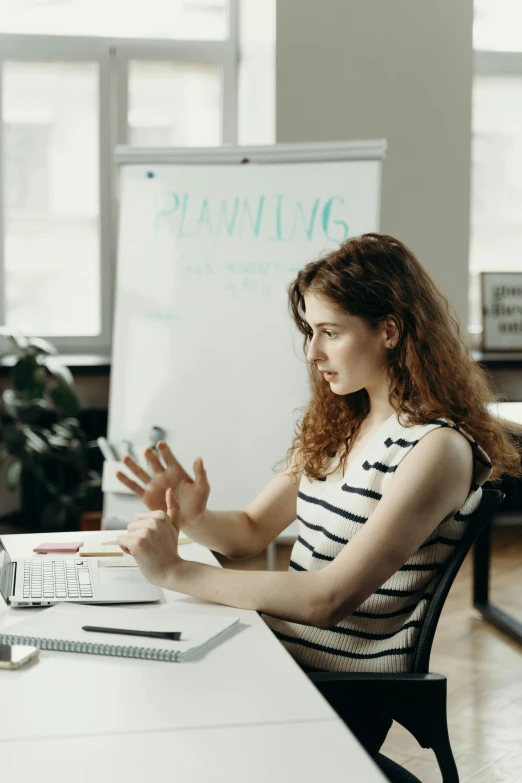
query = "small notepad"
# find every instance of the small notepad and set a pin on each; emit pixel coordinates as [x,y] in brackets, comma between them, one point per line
[111,548]
[100,550]
[126,561]
[60,628]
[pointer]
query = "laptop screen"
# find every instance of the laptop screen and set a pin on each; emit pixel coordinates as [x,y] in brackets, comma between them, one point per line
[5,572]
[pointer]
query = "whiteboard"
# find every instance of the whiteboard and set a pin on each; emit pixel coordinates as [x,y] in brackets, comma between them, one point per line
[203,341]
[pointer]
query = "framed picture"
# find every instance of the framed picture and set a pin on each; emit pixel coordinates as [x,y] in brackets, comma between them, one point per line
[501,299]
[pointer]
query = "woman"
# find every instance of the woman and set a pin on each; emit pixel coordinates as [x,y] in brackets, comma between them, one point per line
[388,462]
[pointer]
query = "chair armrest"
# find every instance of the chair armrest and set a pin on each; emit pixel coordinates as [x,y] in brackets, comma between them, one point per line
[368,677]
[413,700]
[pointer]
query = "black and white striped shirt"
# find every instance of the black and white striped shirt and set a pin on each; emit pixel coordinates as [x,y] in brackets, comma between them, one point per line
[381,634]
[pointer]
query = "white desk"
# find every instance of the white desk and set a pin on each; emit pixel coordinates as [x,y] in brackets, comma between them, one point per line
[246,690]
[286,752]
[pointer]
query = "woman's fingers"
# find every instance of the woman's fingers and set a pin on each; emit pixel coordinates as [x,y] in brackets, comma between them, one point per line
[130,483]
[168,457]
[200,471]
[149,514]
[136,469]
[140,524]
[153,461]
[123,547]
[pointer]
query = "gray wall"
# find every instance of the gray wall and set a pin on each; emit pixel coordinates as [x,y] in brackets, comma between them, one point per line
[399,70]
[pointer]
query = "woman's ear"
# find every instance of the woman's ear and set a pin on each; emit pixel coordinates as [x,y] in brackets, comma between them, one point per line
[391,328]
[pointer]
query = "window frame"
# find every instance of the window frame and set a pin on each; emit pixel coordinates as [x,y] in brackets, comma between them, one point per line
[488,63]
[113,56]
[492,63]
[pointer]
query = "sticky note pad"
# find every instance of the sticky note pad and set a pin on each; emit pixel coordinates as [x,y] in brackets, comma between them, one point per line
[117,562]
[99,550]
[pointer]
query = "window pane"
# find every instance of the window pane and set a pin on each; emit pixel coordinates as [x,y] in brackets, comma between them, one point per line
[174,104]
[188,19]
[497,25]
[496,203]
[51,197]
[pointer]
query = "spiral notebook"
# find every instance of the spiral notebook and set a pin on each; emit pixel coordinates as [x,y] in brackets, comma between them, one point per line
[60,628]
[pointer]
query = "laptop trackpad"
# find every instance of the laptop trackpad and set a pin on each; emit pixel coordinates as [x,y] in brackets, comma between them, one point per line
[121,576]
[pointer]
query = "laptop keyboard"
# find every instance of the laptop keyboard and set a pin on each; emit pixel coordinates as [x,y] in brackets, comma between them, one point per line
[65,578]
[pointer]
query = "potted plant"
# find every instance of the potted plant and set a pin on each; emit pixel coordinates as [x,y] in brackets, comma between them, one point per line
[41,437]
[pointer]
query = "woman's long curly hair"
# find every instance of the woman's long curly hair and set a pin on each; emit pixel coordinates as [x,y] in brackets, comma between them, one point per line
[431,371]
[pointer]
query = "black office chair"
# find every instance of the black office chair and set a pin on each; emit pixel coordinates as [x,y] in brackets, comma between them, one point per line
[393,771]
[415,699]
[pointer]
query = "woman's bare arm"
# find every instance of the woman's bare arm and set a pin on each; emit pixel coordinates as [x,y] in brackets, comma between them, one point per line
[241,534]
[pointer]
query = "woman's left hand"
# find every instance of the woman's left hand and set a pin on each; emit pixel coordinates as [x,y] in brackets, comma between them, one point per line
[152,540]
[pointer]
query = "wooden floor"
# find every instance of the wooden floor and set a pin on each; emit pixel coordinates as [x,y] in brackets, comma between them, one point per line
[484,671]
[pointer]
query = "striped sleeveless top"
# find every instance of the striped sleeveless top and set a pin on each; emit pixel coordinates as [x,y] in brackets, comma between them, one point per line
[380,635]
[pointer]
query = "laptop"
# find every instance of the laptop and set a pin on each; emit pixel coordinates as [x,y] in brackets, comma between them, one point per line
[43,581]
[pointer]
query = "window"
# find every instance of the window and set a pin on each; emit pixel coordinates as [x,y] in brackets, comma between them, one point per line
[174,104]
[64,104]
[496,188]
[173,19]
[497,25]
[51,214]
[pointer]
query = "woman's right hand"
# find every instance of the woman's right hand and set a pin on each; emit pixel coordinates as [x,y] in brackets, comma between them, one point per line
[191,495]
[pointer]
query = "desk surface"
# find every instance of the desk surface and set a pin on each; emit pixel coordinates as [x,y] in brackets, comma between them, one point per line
[309,752]
[111,704]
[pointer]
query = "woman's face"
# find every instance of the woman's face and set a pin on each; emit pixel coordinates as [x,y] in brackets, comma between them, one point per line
[345,345]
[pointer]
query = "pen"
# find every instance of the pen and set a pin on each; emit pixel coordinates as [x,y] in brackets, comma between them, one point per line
[106,449]
[173,636]
[129,450]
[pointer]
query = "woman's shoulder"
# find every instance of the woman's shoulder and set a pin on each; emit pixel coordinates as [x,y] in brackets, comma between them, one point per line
[453,437]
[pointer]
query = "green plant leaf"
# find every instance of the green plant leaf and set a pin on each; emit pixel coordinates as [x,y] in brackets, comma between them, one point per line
[29,411]
[40,376]
[9,397]
[58,370]
[37,413]
[13,473]
[41,346]
[35,441]
[23,375]
[73,424]
[62,430]
[95,479]
[11,402]
[14,440]
[12,338]
[58,442]
[65,399]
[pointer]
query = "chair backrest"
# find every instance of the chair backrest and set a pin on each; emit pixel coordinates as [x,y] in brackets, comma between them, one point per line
[491,500]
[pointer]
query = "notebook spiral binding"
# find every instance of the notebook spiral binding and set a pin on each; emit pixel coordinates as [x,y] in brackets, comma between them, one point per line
[121,651]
